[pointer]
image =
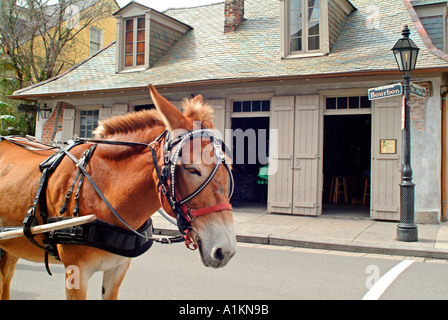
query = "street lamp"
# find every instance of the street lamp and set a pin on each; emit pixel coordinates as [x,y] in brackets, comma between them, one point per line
[406,53]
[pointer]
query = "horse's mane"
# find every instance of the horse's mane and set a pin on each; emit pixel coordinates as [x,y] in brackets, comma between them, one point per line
[130,122]
[147,119]
[197,110]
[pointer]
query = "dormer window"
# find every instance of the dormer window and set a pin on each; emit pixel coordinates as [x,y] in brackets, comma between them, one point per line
[134,54]
[143,36]
[304,25]
[310,27]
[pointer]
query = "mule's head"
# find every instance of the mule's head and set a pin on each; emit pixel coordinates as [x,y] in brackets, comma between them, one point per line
[213,232]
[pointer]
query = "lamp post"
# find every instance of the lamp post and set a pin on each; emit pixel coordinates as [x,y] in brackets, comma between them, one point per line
[406,53]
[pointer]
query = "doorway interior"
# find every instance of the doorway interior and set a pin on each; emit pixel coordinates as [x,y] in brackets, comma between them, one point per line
[347,165]
[250,148]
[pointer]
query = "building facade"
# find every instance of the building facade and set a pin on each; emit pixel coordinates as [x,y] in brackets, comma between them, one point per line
[293,74]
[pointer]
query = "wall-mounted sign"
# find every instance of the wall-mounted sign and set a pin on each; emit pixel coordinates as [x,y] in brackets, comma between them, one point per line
[388,146]
[386,91]
[418,91]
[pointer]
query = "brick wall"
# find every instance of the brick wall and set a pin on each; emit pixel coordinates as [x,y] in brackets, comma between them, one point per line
[48,127]
[234,15]
[418,106]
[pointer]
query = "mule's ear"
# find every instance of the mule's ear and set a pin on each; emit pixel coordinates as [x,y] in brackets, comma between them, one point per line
[172,117]
[198,99]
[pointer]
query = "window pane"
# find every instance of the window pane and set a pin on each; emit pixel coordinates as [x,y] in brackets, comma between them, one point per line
[128,61]
[129,24]
[331,103]
[246,106]
[237,106]
[342,102]
[266,105]
[313,29]
[129,48]
[95,34]
[296,44]
[141,23]
[365,102]
[313,3]
[256,106]
[353,102]
[140,59]
[129,36]
[141,35]
[296,23]
[140,47]
[313,43]
[313,14]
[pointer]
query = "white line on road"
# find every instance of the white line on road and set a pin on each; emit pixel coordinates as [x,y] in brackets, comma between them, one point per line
[385,281]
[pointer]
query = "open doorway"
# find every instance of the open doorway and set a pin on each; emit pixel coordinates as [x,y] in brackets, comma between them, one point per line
[346,165]
[250,145]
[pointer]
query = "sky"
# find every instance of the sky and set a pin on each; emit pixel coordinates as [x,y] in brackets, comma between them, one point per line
[161,5]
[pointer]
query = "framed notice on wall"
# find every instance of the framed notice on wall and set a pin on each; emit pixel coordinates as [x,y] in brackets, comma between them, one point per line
[388,146]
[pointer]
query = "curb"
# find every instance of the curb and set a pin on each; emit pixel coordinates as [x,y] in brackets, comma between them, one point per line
[347,246]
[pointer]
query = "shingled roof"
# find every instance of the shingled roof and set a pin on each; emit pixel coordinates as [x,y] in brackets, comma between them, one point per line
[206,54]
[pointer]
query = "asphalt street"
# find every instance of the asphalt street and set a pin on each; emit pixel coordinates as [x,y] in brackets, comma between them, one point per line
[257,272]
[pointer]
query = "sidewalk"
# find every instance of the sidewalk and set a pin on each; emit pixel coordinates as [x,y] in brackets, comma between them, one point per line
[330,233]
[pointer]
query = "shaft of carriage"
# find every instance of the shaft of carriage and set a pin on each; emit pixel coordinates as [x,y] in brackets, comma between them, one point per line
[15,232]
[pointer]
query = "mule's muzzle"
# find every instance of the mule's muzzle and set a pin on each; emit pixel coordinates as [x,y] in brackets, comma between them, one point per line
[217,257]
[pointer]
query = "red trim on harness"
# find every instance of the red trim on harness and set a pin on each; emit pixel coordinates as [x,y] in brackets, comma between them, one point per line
[191,214]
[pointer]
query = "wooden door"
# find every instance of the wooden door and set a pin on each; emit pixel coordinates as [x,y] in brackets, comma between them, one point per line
[386,164]
[306,165]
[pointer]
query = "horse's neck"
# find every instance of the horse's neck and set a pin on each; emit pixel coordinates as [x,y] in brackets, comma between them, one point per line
[127,176]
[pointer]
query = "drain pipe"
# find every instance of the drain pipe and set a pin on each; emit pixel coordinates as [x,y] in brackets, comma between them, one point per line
[444,155]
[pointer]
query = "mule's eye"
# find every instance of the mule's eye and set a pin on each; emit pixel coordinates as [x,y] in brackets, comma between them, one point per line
[193,170]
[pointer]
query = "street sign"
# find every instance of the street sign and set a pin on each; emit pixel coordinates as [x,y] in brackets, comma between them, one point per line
[386,91]
[418,91]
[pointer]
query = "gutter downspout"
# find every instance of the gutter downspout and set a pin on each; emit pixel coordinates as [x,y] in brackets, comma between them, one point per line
[444,157]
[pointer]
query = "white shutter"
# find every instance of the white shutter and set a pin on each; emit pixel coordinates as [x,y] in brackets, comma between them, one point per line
[119,109]
[306,196]
[219,107]
[280,155]
[104,113]
[68,124]
[386,168]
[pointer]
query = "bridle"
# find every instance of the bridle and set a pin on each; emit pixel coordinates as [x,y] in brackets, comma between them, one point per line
[167,183]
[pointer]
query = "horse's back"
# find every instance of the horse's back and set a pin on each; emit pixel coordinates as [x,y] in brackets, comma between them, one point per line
[19,179]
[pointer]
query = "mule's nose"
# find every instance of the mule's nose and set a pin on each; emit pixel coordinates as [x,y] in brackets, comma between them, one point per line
[221,254]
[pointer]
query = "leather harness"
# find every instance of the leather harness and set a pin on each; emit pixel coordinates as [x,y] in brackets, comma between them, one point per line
[101,234]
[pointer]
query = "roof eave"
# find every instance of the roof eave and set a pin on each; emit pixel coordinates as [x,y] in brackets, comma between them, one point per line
[366,73]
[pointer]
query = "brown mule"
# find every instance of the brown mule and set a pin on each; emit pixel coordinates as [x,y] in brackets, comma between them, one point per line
[128,179]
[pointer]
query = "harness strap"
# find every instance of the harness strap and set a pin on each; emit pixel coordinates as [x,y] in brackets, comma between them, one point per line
[191,214]
[101,195]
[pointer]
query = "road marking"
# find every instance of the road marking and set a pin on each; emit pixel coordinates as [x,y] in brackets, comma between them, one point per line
[385,281]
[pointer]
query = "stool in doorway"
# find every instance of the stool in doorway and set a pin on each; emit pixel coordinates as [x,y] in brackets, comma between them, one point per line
[338,189]
[366,190]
